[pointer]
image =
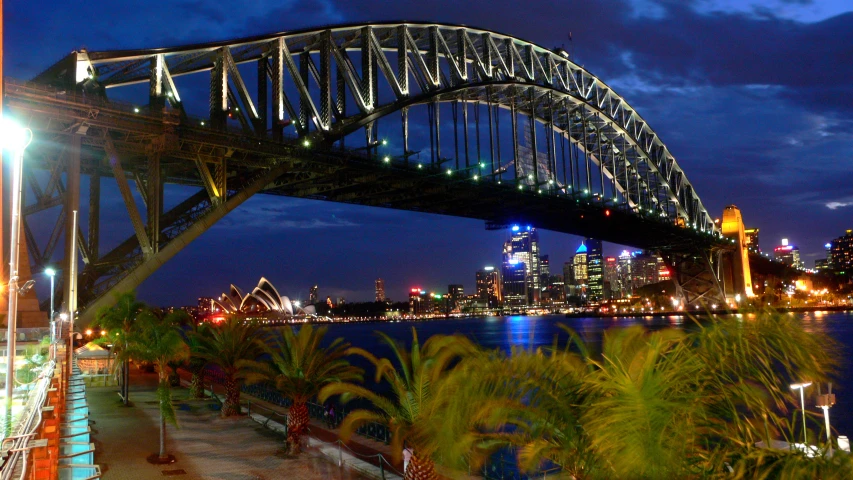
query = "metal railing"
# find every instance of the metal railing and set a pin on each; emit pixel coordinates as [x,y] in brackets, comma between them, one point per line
[267,393]
[16,446]
[502,466]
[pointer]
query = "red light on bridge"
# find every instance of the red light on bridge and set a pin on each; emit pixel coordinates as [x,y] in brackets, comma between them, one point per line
[607,213]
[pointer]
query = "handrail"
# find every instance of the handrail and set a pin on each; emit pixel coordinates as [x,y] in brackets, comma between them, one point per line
[28,423]
[503,469]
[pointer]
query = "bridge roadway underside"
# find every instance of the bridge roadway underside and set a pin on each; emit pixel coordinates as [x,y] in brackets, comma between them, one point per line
[115,141]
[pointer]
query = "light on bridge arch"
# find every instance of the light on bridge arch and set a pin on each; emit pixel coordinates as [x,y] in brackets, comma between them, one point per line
[387,159]
[449,171]
[306,143]
[420,165]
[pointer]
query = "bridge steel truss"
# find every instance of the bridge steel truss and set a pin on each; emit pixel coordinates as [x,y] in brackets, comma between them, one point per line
[325,86]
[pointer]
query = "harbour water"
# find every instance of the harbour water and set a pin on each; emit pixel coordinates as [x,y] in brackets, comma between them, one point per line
[534,331]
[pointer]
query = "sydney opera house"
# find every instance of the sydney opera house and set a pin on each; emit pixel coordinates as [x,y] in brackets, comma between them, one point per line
[264,300]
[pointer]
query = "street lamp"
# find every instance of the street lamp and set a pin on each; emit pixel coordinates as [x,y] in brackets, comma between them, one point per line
[51,273]
[15,139]
[801,387]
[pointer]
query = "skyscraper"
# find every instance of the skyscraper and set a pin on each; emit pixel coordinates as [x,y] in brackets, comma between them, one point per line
[576,276]
[489,286]
[595,269]
[611,276]
[514,276]
[788,254]
[380,290]
[522,248]
[624,284]
[313,295]
[455,293]
[841,253]
[752,239]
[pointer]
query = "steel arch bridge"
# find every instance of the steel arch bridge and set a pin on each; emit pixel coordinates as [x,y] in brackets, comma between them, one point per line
[533,136]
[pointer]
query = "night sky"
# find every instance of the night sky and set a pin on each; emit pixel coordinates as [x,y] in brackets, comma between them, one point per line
[753,98]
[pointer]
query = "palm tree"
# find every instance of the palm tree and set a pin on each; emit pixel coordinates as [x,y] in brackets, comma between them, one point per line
[229,345]
[420,384]
[299,367]
[119,321]
[195,337]
[670,404]
[157,340]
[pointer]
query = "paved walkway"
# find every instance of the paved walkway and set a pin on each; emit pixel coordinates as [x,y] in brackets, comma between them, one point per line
[206,446]
[360,453]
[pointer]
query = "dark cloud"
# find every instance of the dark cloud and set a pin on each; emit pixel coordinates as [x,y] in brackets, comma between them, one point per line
[755,106]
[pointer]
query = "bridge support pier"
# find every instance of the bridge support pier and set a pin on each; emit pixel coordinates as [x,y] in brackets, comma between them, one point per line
[696,273]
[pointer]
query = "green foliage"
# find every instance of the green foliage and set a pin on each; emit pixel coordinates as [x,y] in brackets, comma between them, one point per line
[422,387]
[118,322]
[158,341]
[665,404]
[228,345]
[299,367]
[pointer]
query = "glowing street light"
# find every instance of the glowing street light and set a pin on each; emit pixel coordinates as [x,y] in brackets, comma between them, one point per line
[801,387]
[15,139]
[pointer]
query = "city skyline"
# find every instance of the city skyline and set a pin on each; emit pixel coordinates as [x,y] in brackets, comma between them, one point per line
[739,121]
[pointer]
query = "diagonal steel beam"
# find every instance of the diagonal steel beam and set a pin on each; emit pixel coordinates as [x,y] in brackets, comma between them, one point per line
[151,264]
[127,196]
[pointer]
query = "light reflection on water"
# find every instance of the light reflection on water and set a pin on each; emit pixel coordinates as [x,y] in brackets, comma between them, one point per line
[537,331]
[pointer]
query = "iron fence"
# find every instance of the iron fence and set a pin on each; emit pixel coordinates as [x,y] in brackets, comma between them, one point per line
[501,466]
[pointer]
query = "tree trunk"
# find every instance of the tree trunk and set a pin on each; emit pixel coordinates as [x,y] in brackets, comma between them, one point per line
[197,385]
[125,387]
[420,469]
[162,435]
[231,406]
[297,419]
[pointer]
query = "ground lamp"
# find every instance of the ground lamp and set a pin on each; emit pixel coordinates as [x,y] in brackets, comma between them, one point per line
[825,401]
[14,139]
[801,387]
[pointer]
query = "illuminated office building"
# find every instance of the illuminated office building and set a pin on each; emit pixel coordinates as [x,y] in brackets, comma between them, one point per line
[788,254]
[751,235]
[841,254]
[489,286]
[595,269]
[522,248]
[515,285]
[380,290]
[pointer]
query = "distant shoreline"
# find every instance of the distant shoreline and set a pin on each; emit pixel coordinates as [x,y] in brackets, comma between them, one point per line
[839,308]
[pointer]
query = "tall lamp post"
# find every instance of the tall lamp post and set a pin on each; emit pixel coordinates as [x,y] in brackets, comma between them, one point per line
[15,139]
[51,273]
[801,387]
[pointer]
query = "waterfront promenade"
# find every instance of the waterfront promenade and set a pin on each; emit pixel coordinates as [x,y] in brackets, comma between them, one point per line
[206,446]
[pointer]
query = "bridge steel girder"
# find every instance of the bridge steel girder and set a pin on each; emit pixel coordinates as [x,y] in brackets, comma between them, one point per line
[151,264]
[698,276]
[442,58]
[449,64]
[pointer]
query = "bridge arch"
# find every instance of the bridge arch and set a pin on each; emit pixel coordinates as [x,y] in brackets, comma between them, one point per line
[418,63]
[327,84]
